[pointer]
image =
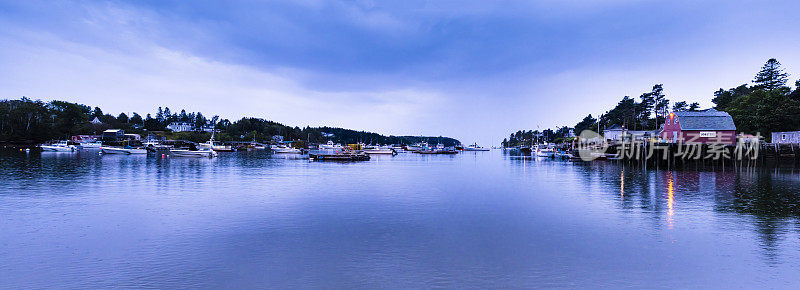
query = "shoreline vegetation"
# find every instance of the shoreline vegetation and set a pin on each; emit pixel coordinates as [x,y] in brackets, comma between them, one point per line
[767,105]
[25,122]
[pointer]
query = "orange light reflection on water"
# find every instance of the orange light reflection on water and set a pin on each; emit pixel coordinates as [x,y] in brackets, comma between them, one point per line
[670,200]
[622,184]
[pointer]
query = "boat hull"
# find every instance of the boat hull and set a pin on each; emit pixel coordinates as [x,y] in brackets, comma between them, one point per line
[129,151]
[339,157]
[189,153]
[57,148]
[381,151]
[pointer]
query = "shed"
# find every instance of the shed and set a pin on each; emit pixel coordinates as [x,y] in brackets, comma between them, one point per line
[706,127]
[786,137]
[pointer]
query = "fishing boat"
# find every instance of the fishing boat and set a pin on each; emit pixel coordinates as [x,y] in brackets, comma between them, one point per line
[285,149]
[215,145]
[372,149]
[122,150]
[192,153]
[91,145]
[60,146]
[544,151]
[475,147]
[439,149]
[330,146]
[417,147]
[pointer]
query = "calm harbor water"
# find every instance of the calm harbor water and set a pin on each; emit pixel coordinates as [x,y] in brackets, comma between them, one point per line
[483,219]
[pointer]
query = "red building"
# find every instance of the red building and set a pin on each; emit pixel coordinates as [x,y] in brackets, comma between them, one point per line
[706,127]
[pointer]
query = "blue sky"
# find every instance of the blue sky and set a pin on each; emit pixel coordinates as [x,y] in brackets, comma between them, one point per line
[474,70]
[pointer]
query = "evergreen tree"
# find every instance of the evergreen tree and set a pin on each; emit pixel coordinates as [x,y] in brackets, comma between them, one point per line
[585,124]
[136,119]
[771,76]
[680,106]
[122,118]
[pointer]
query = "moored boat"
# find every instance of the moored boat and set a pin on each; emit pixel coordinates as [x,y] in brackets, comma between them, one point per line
[285,149]
[192,153]
[474,147]
[344,156]
[379,150]
[330,146]
[122,150]
[91,145]
[60,146]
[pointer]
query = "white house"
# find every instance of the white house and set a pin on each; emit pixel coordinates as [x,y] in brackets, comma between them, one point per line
[614,132]
[180,126]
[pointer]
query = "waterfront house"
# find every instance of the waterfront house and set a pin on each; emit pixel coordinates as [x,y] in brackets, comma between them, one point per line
[705,127]
[619,133]
[614,133]
[113,135]
[792,137]
[180,126]
[133,137]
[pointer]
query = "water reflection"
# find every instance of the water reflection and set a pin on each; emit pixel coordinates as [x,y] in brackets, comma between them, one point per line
[250,219]
[670,200]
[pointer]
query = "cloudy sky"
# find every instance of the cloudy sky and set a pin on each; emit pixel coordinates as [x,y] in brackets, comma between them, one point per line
[474,70]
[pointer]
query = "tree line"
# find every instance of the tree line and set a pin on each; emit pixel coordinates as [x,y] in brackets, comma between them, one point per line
[25,121]
[767,105]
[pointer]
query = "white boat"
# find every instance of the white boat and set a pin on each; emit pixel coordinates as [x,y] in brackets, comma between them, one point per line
[417,147]
[371,149]
[192,153]
[95,144]
[122,150]
[284,149]
[214,145]
[544,151]
[330,146]
[60,146]
[475,147]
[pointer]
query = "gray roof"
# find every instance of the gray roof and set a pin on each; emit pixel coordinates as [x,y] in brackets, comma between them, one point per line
[705,120]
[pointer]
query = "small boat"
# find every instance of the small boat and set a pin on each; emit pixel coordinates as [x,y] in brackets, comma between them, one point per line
[122,150]
[344,156]
[440,149]
[417,147]
[215,145]
[330,146]
[474,147]
[544,151]
[285,149]
[60,146]
[192,153]
[379,150]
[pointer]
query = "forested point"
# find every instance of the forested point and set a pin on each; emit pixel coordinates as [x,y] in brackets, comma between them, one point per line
[767,104]
[26,122]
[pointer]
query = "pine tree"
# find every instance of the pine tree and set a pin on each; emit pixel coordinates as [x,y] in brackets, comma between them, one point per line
[771,76]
